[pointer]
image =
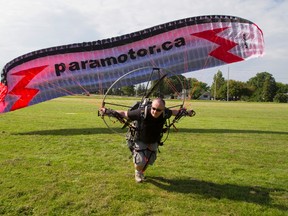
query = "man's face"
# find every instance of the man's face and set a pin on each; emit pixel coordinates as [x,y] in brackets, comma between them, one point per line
[157,108]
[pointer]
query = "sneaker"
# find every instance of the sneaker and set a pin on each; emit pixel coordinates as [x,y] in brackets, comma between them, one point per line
[139,176]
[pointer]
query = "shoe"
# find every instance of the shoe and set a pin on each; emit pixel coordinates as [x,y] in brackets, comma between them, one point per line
[139,176]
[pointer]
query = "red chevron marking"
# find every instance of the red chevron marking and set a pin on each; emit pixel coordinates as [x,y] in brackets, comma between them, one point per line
[3,91]
[26,94]
[225,45]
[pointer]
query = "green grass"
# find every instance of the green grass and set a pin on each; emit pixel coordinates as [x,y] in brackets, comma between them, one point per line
[59,158]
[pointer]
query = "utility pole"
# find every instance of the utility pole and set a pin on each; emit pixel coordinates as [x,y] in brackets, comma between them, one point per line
[215,88]
[228,85]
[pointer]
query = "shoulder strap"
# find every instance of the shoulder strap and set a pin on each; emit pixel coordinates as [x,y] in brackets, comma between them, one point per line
[145,112]
[166,114]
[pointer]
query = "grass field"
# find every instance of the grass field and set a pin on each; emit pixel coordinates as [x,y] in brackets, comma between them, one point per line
[59,158]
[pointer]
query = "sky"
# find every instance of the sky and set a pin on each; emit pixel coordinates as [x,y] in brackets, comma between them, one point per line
[29,25]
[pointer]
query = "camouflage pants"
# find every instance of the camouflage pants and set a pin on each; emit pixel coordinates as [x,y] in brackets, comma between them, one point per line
[145,153]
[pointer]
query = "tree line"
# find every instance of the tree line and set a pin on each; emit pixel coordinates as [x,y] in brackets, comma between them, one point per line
[260,88]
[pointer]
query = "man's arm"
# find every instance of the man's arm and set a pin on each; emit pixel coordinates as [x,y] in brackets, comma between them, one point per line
[105,111]
[176,111]
[123,113]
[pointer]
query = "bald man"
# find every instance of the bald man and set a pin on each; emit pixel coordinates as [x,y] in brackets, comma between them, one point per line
[150,129]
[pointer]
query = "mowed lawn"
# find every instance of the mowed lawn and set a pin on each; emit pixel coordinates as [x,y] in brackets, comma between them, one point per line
[59,158]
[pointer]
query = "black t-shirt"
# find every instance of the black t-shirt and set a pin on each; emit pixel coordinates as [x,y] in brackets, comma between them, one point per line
[150,127]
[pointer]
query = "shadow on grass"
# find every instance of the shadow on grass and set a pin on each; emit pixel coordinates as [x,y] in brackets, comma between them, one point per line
[70,131]
[79,131]
[223,131]
[257,195]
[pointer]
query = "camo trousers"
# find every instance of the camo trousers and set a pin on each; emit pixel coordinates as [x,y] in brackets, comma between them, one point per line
[145,154]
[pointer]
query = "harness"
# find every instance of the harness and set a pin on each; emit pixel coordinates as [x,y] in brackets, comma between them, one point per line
[135,129]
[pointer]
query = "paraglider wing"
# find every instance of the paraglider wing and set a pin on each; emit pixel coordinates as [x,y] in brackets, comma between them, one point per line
[180,46]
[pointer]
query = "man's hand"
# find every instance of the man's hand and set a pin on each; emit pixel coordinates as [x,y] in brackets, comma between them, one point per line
[104,111]
[186,112]
[191,113]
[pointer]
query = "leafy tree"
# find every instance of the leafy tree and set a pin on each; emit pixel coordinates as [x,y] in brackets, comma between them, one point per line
[281,88]
[115,91]
[281,98]
[263,86]
[196,88]
[141,88]
[128,90]
[269,89]
[217,88]
[235,90]
[282,93]
[170,86]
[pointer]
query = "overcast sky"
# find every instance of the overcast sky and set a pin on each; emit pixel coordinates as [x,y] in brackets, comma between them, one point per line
[29,25]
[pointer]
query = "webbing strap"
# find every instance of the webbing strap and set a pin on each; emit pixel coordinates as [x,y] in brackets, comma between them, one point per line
[146,164]
[147,161]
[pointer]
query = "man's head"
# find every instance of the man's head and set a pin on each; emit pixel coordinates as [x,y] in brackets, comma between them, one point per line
[157,108]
